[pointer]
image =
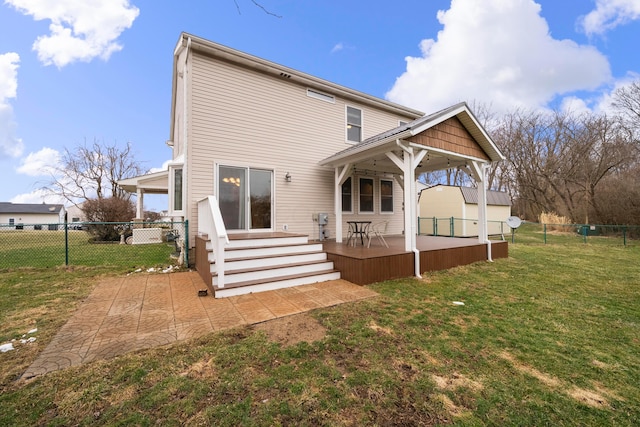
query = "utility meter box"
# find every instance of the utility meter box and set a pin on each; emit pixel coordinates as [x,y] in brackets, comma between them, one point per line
[323,218]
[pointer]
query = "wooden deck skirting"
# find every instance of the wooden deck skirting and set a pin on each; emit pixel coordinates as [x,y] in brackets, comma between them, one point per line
[202,263]
[369,265]
[362,265]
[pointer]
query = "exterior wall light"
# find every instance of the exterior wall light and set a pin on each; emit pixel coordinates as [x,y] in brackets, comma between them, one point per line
[287,177]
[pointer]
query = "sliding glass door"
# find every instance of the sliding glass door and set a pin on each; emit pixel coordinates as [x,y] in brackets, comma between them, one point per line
[245,196]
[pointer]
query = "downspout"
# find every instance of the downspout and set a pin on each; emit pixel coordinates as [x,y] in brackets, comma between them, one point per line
[185,134]
[410,177]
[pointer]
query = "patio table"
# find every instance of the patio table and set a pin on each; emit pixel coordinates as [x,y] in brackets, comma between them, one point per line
[358,228]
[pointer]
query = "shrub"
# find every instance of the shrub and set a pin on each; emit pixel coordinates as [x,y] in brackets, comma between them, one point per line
[555,222]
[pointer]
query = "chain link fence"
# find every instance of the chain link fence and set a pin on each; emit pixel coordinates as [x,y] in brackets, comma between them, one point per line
[122,244]
[532,232]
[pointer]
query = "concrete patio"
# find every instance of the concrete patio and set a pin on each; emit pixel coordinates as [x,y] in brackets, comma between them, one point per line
[136,312]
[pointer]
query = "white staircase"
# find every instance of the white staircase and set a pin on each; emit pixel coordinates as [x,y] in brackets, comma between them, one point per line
[268,261]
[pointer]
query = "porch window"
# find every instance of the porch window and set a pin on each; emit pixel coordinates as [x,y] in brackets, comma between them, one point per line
[347,193]
[177,189]
[366,195]
[354,124]
[386,196]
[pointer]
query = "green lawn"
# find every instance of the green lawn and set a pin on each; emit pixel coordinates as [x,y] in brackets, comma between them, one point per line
[44,248]
[550,336]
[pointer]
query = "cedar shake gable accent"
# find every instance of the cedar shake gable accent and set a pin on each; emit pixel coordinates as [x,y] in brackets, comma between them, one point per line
[450,135]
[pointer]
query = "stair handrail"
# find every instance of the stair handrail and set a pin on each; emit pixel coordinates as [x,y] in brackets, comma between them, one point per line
[210,222]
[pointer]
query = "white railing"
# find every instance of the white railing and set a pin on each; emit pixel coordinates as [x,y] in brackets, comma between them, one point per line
[210,223]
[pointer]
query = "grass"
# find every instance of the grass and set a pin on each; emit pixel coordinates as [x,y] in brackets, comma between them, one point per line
[44,248]
[550,336]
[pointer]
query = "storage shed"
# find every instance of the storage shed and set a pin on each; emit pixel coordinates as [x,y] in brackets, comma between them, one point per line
[453,211]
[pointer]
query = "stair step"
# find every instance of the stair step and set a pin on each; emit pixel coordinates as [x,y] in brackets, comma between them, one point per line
[273,271]
[279,282]
[268,241]
[265,251]
[254,263]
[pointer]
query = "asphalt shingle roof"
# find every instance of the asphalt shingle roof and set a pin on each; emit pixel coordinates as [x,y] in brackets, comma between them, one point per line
[29,208]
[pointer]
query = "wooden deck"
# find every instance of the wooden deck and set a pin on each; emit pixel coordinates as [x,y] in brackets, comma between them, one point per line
[362,265]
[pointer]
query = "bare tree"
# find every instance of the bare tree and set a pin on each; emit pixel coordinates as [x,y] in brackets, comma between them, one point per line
[626,101]
[92,172]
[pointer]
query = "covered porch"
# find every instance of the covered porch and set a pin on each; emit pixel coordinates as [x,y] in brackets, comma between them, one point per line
[448,139]
[152,183]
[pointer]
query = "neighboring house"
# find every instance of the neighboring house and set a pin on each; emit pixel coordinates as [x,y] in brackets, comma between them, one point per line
[75,214]
[260,148]
[444,202]
[30,216]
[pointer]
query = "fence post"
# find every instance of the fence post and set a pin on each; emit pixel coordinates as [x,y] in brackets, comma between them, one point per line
[435,226]
[545,233]
[584,233]
[418,226]
[66,240]
[624,235]
[451,232]
[186,242]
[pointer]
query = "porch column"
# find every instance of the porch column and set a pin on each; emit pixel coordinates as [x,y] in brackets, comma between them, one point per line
[480,174]
[340,178]
[139,204]
[408,165]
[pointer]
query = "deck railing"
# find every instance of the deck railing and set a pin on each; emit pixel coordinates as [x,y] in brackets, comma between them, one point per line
[210,223]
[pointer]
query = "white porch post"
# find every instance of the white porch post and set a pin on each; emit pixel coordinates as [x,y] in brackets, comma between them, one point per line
[340,178]
[408,164]
[139,203]
[480,171]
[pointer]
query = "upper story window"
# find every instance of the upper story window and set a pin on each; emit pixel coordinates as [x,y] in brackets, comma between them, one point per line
[347,199]
[386,196]
[354,124]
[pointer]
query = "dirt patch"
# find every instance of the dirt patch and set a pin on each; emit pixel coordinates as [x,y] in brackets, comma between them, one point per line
[373,325]
[456,381]
[201,369]
[540,376]
[591,398]
[588,397]
[291,330]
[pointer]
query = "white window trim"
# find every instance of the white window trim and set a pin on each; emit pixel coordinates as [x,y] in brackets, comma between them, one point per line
[349,212]
[373,195]
[391,212]
[172,169]
[274,208]
[346,123]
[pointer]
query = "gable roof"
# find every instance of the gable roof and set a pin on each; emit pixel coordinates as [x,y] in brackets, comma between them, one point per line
[470,195]
[494,198]
[461,111]
[29,208]
[225,53]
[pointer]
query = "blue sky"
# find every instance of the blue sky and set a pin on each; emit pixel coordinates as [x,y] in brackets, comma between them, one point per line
[82,70]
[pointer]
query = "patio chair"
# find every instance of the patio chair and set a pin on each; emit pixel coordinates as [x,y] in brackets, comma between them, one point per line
[378,230]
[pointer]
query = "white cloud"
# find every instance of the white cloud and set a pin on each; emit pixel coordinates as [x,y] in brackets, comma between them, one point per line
[609,14]
[499,53]
[10,144]
[39,196]
[40,163]
[164,167]
[337,48]
[81,30]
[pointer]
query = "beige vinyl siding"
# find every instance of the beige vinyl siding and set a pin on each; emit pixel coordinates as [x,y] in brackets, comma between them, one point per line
[240,117]
[29,218]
